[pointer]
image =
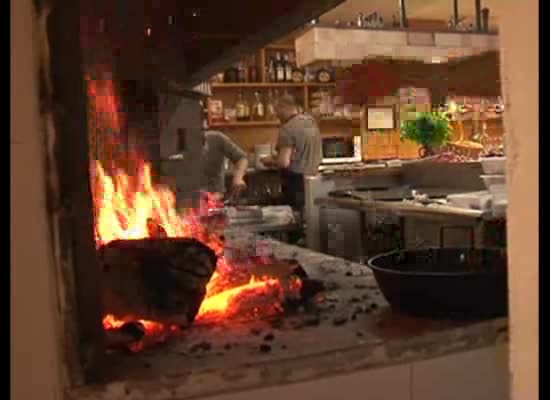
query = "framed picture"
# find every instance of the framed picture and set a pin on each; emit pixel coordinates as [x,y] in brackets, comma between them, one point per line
[380,118]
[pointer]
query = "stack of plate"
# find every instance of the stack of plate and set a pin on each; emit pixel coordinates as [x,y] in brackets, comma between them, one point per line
[494,169]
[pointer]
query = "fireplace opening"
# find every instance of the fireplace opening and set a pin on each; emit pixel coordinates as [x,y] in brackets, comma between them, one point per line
[159,289]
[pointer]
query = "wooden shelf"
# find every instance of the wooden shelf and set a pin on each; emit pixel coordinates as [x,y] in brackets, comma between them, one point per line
[269,85]
[335,119]
[238,124]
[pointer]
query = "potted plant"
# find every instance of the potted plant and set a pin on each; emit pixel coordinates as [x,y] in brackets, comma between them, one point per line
[430,130]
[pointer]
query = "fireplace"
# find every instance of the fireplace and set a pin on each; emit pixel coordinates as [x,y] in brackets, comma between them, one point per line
[105,85]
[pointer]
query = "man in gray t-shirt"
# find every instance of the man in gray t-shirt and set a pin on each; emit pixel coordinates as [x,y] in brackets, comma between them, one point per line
[217,147]
[299,150]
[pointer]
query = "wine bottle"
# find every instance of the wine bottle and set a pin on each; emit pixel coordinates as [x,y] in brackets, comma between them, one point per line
[270,106]
[288,69]
[271,76]
[258,109]
[279,69]
[240,107]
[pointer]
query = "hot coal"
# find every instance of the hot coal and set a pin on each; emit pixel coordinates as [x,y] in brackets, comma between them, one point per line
[300,272]
[277,323]
[312,320]
[265,348]
[340,320]
[204,346]
[311,287]
[162,280]
[255,331]
[133,329]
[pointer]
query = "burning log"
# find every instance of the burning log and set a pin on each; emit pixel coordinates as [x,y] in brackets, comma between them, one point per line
[161,279]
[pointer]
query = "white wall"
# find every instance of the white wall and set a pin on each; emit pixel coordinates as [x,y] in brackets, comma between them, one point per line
[34,360]
[519,58]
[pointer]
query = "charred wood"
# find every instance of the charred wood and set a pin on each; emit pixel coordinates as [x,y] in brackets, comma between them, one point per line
[162,279]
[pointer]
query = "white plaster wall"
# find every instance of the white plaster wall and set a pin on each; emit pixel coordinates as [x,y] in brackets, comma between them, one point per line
[34,360]
[519,56]
[480,374]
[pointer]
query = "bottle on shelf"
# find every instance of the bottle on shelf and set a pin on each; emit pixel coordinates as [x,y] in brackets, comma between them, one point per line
[242,108]
[279,69]
[270,107]
[231,75]
[271,74]
[288,69]
[258,109]
[243,72]
[253,73]
[360,20]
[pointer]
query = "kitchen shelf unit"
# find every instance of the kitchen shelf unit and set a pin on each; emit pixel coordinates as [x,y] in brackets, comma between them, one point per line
[227,92]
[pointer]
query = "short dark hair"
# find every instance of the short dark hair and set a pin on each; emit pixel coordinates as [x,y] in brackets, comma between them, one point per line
[287,100]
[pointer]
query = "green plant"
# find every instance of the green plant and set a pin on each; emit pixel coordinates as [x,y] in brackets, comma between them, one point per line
[428,129]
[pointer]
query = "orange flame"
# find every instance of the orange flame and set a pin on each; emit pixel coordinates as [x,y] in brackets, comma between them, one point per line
[124,205]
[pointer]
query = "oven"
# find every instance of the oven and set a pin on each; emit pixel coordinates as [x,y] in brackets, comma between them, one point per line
[341,149]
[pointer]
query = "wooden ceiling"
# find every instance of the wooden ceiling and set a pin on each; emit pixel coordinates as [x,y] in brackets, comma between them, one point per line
[189,40]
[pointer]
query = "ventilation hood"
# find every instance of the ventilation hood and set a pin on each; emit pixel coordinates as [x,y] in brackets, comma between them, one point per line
[328,44]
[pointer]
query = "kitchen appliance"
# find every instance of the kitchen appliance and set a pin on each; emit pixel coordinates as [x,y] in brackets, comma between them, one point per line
[341,149]
[449,283]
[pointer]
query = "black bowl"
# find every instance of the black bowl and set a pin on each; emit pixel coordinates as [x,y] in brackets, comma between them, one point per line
[449,283]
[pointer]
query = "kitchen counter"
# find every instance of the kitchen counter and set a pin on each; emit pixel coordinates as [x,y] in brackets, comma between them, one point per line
[403,208]
[355,331]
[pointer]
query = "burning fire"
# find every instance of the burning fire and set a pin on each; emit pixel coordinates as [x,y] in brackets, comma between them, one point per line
[132,208]
[122,211]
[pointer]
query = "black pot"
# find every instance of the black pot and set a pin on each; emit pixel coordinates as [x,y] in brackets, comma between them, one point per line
[449,283]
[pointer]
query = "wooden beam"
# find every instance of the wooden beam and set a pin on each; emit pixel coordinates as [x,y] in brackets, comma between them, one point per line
[305,12]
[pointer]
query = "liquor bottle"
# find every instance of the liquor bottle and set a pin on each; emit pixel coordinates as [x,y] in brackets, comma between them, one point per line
[360,20]
[258,109]
[252,70]
[247,110]
[242,73]
[271,76]
[279,69]
[231,75]
[240,107]
[288,69]
[270,106]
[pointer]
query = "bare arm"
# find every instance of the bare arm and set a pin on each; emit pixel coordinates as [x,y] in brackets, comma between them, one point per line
[239,170]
